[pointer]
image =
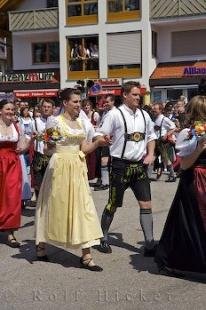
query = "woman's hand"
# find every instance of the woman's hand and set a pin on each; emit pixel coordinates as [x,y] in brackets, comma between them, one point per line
[33,136]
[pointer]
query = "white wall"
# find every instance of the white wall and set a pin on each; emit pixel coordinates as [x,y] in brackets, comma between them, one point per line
[22,49]
[165,44]
[32,5]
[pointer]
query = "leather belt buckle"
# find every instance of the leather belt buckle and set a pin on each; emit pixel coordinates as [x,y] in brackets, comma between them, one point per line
[136,136]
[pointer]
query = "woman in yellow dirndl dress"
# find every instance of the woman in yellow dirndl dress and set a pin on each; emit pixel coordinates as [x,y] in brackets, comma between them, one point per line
[66,215]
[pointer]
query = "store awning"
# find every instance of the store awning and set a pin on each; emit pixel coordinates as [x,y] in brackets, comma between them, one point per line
[36,93]
[175,73]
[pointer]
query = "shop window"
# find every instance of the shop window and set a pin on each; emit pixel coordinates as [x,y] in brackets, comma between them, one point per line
[157,95]
[83,56]
[82,11]
[45,52]
[120,10]
[174,94]
[154,44]
[52,3]
[191,92]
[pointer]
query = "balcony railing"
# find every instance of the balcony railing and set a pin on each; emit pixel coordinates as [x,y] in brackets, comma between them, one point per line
[173,8]
[33,20]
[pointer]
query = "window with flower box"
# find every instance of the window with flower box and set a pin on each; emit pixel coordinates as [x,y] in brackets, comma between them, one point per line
[83,57]
[123,10]
[82,12]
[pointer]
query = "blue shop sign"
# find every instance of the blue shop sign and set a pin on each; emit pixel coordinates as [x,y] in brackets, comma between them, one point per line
[96,88]
[194,71]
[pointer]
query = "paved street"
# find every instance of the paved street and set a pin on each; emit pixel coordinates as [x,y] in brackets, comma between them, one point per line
[129,281]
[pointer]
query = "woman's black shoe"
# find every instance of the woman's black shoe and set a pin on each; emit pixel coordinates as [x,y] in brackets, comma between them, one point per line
[85,263]
[13,243]
[41,253]
[171,179]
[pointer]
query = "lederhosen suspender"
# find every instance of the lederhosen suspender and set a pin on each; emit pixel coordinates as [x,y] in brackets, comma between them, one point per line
[161,127]
[126,136]
[37,142]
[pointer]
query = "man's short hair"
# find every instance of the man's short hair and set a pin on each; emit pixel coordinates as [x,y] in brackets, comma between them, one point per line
[111,96]
[46,100]
[126,88]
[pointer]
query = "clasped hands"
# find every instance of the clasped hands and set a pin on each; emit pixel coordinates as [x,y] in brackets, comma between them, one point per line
[103,140]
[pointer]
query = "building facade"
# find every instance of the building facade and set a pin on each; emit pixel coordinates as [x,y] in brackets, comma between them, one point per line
[34,31]
[159,43]
[180,29]
[104,41]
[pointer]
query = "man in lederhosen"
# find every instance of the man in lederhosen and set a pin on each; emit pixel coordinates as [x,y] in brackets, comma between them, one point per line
[40,160]
[164,129]
[132,149]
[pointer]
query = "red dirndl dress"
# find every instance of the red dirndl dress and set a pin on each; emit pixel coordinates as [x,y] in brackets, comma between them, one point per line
[10,186]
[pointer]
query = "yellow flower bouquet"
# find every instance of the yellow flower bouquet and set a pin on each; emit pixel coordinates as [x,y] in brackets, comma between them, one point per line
[199,128]
[50,135]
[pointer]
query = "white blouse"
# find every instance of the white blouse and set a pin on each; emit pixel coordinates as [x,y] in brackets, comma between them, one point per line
[13,137]
[184,144]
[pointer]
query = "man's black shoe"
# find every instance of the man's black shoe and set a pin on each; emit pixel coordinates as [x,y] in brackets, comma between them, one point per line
[105,247]
[97,184]
[150,252]
[101,187]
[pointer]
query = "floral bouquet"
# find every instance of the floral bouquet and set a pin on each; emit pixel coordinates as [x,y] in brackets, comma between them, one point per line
[200,129]
[50,135]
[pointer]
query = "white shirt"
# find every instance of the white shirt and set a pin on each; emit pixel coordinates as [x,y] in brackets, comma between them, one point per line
[113,126]
[165,123]
[39,126]
[104,115]
[184,145]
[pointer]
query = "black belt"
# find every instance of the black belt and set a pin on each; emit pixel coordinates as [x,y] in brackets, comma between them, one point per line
[135,136]
[127,161]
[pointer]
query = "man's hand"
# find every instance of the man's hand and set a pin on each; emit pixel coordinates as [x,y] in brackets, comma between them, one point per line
[149,159]
[103,140]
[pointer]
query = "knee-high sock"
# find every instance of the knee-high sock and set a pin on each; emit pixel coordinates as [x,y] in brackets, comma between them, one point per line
[105,175]
[171,171]
[146,222]
[106,221]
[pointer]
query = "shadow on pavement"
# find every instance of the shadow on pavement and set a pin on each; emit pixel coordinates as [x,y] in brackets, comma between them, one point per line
[141,263]
[28,224]
[116,239]
[27,251]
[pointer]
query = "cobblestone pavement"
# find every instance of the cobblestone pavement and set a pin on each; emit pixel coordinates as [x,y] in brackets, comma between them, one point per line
[129,281]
